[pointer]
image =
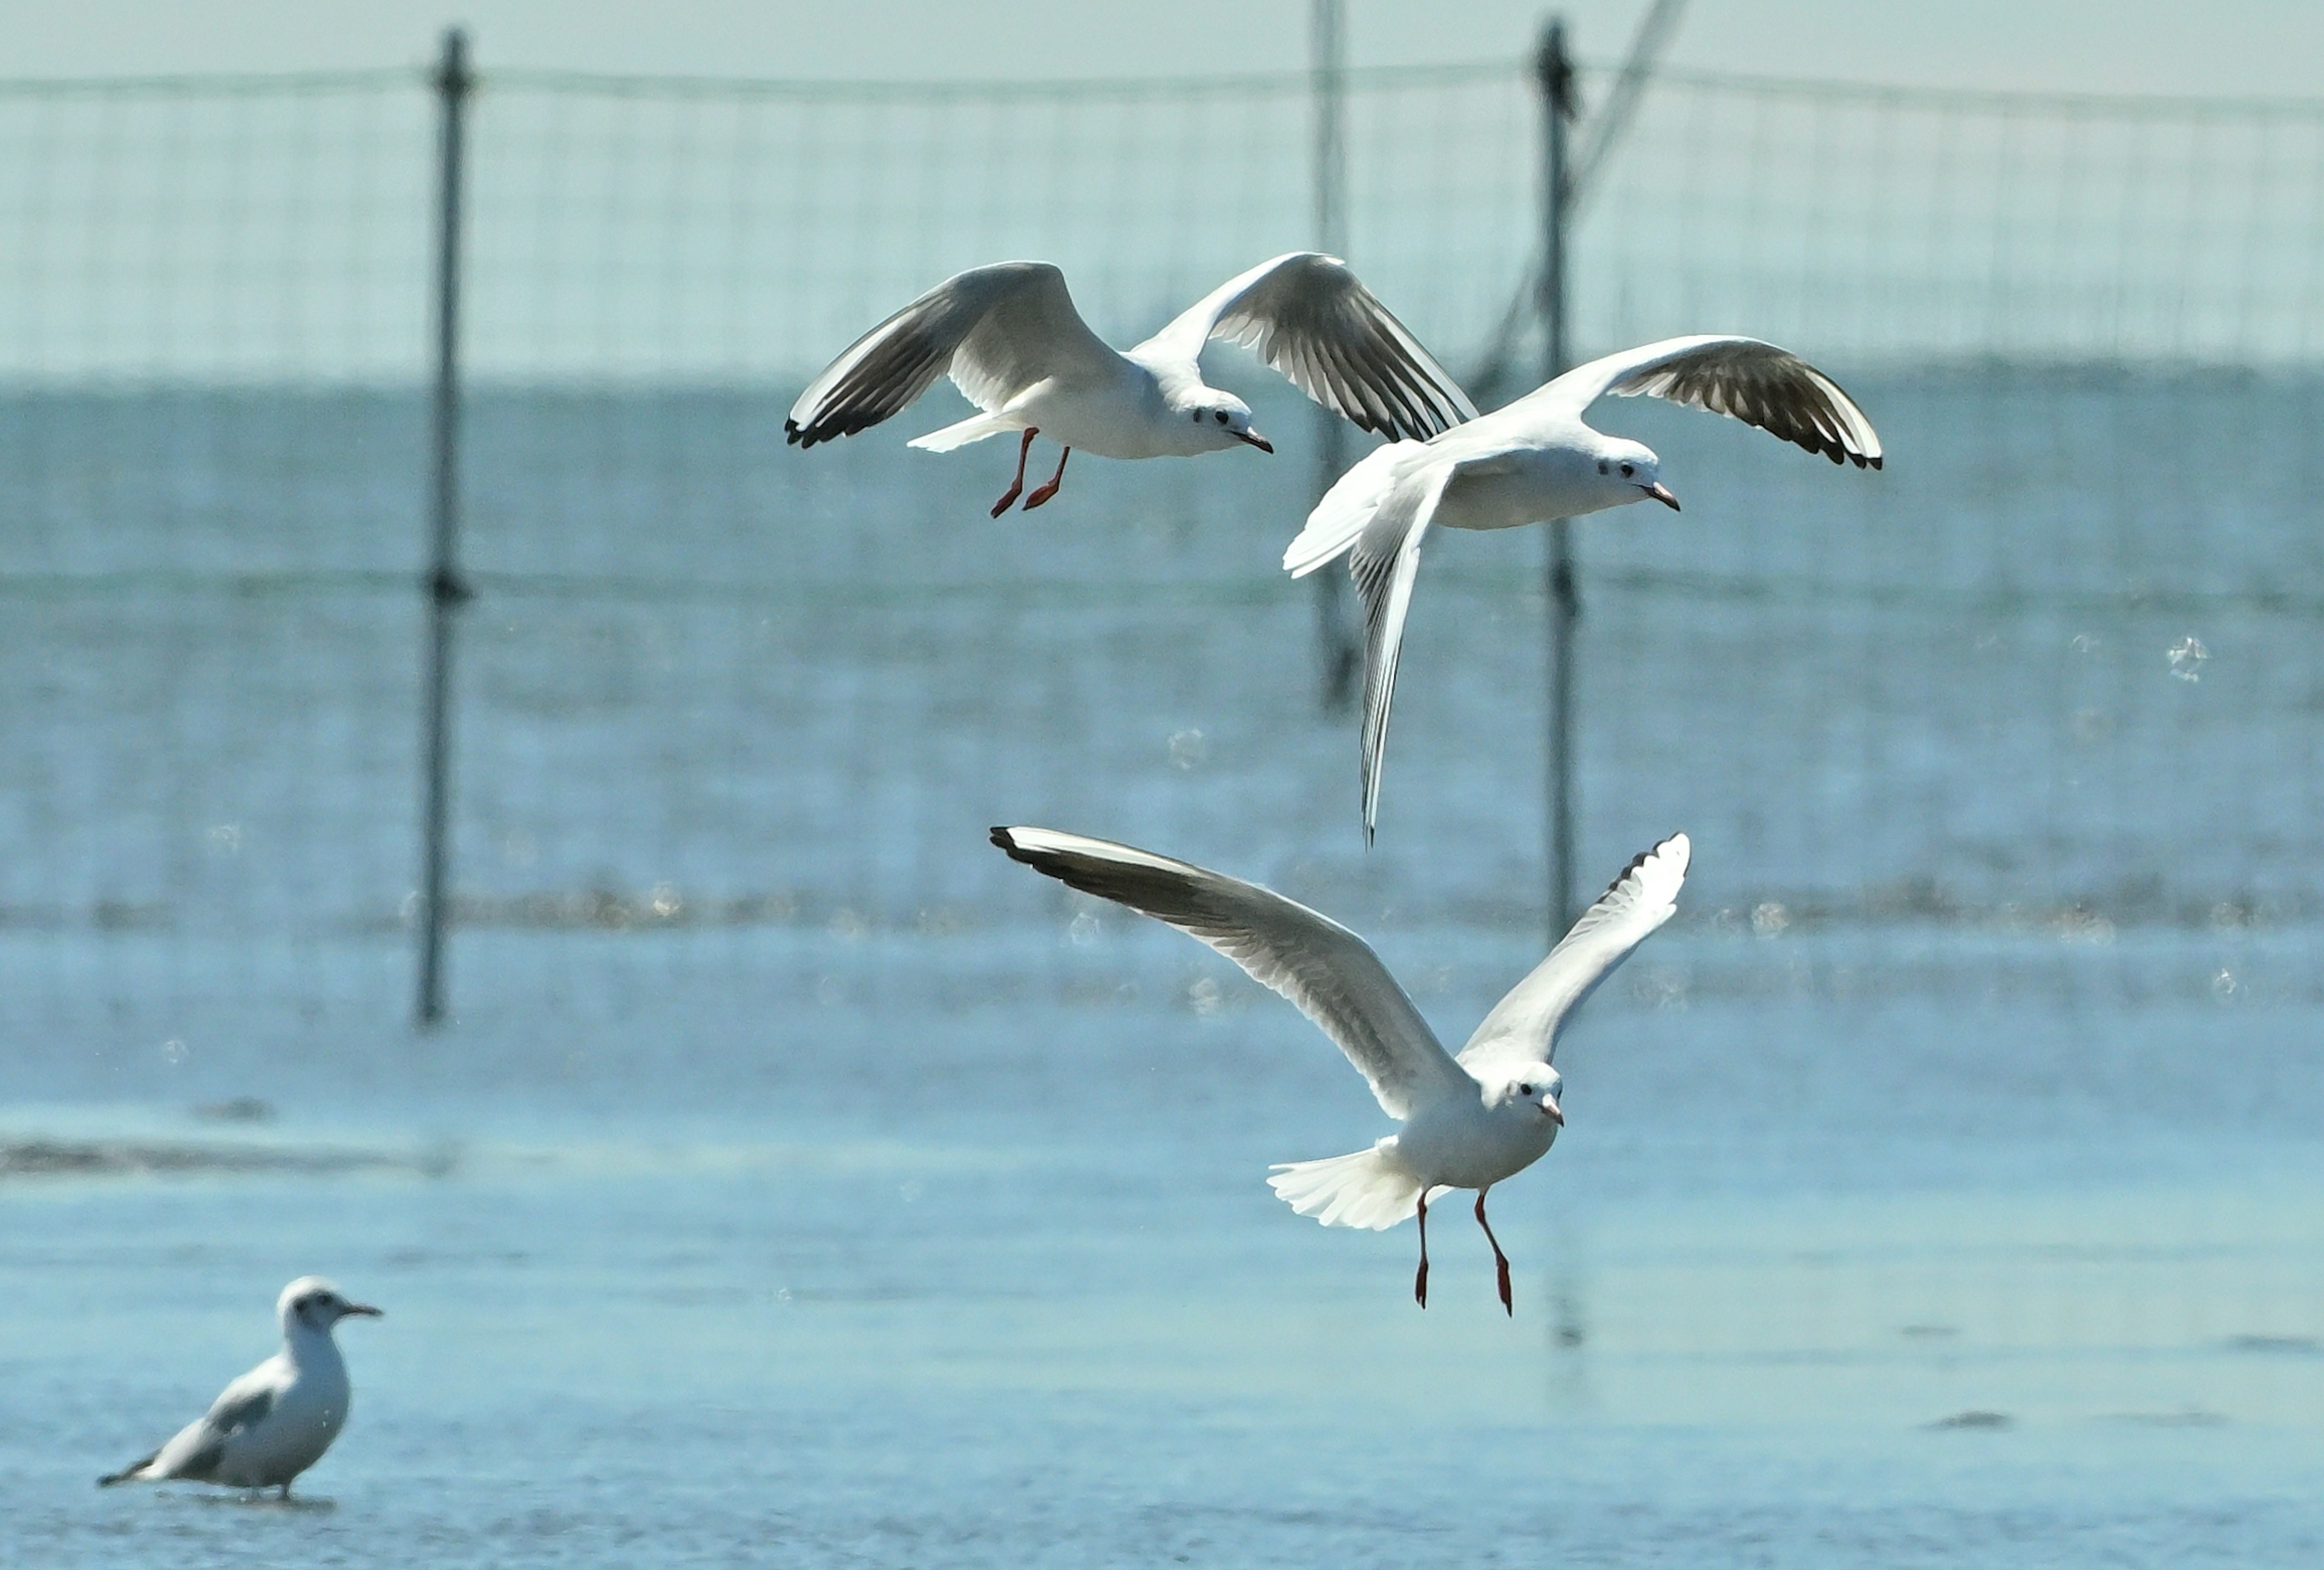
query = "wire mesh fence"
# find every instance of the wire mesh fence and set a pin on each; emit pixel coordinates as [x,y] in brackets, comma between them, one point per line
[2034,713]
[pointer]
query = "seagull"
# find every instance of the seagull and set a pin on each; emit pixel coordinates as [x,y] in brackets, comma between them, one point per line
[1011,339]
[275,1421]
[1536,460]
[1468,1122]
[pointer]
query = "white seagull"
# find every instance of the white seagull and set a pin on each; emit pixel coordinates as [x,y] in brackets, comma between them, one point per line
[1534,460]
[275,1421]
[1011,339]
[1468,1122]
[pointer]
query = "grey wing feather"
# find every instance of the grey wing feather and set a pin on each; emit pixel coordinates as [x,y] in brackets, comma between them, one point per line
[1329,972]
[238,1408]
[194,1452]
[1311,319]
[1743,378]
[1524,1026]
[995,330]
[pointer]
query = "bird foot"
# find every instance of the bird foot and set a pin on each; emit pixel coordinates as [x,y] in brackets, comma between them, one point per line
[1420,1285]
[1041,494]
[1013,493]
[1501,1269]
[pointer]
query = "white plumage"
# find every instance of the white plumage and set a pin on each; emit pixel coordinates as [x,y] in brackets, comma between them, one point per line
[1536,460]
[1009,336]
[1468,1122]
[275,1421]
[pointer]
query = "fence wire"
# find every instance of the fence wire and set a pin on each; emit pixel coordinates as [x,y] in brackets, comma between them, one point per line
[2034,713]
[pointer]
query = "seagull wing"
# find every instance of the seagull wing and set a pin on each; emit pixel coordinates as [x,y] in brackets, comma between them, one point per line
[1383,561]
[245,1403]
[1311,319]
[1756,382]
[195,1451]
[995,330]
[1329,972]
[1524,1026]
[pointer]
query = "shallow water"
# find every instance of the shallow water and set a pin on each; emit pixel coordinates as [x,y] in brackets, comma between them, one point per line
[1047,1314]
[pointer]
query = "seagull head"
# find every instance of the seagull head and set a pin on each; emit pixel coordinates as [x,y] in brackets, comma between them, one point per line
[1532,1094]
[312,1304]
[1630,472]
[1218,420]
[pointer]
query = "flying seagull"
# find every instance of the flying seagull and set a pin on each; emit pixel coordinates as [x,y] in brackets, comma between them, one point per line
[1011,339]
[275,1421]
[1536,460]
[1468,1122]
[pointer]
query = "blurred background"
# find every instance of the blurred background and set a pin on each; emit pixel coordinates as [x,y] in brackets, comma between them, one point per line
[1941,1182]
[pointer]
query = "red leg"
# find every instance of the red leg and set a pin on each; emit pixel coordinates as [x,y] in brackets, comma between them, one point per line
[1050,489]
[1420,1282]
[1017,486]
[1500,1260]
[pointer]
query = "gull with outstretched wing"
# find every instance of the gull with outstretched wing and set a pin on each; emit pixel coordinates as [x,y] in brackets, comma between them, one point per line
[1536,460]
[1468,1122]
[1009,336]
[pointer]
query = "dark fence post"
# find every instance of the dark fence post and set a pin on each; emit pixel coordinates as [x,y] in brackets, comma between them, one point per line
[446,592]
[1336,645]
[1553,72]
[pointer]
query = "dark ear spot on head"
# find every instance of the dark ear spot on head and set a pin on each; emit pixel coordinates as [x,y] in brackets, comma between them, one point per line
[1198,417]
[1602,466]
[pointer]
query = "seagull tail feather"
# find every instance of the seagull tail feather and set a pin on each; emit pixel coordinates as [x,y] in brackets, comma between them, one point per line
[975,428]
[1369,1188]
[1346,508]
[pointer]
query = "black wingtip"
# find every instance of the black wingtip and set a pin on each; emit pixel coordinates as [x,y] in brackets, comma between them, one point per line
[1873,462]
[1001,837]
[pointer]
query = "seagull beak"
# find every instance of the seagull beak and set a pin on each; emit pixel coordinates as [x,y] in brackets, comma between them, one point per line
[1549,1109]
[1257,440]
[364,1309]
[1661,493]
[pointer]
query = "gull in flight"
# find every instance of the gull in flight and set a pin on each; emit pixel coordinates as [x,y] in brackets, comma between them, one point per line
[1011,339]
[1536,460]
[1468,1122]
[275,1421]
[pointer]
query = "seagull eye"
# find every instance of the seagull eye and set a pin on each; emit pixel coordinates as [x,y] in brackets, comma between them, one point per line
[1628,469]
[1524,1090]
[1222,417]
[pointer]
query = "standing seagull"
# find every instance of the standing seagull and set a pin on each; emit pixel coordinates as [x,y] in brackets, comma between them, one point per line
[1011,339]
[1536,460]
[275,1421]
[1468,1122]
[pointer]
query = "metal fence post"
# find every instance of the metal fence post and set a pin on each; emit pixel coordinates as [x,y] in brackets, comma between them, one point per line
[446,591]
[1341,657]
[1554,73]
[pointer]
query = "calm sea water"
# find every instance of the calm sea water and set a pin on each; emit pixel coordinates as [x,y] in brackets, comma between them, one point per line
[801,1182]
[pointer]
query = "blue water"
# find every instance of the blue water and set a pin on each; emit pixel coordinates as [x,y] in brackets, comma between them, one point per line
[798,1181]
